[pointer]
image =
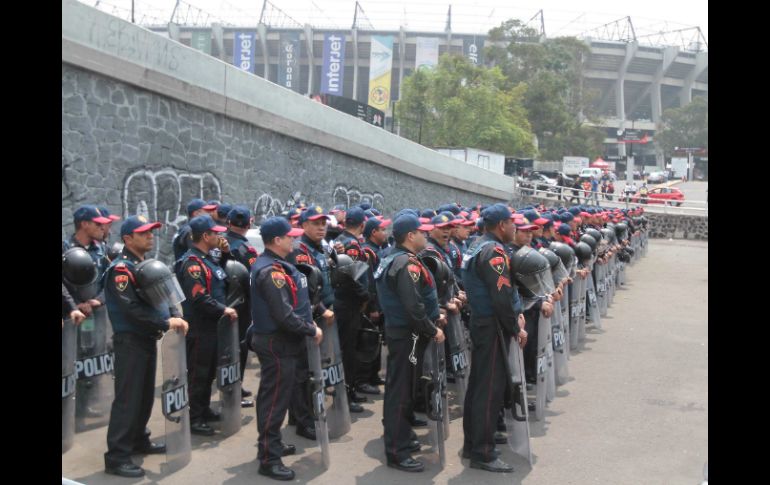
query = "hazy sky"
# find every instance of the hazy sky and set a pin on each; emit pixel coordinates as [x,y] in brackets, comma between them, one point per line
[562,17]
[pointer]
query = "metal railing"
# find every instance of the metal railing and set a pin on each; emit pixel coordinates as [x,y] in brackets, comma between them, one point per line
[572,195]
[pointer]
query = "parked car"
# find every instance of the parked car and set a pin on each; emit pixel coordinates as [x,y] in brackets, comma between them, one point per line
[662,195]
[657,178]
[591,172]
[554,174]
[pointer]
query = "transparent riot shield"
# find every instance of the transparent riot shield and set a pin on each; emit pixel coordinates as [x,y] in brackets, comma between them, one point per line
[317,397]
[336,397]
[433,380]
[517,415]
[175,401]
[560,344]
[95,386]
[228,375]
[68,351]
[459,359]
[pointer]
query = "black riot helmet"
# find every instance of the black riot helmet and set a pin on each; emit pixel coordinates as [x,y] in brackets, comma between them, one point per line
[590,241]
[80,273]
[237,281]
[368,341]
[621,230]
[583,252]
[609,235]
[441,274]
[114,250]
[157,285]
[558,270]
[594,233]
[315,281]
[565,253]
[346,271]
[532,271]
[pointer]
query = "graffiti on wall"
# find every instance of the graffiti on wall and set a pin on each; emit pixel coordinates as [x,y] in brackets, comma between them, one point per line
[162,195]
[268,206]
[350,196]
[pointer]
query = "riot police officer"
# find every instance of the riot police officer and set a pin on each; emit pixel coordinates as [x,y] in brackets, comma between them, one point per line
[183,238]
[494,303]
[281,315]
[349,302]
[203,282]
[138,320]
[238,222]
[407,296]
[89,232]
[310,249]
[375,236]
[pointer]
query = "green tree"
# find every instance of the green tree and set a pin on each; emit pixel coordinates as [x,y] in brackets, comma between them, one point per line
[464,105]
[556,100]
[685,127]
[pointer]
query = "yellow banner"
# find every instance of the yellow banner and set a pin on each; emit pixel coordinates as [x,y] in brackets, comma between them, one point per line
[379,92]
[380,65]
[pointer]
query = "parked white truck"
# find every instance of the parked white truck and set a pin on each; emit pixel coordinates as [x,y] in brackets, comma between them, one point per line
[572,166]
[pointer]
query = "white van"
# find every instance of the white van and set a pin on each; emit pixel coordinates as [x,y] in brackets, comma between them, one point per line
[591,172]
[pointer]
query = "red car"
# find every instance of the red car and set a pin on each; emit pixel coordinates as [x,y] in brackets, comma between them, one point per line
[662,195]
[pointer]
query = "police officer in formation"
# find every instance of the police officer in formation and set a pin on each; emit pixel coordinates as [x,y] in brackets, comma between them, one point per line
[138,324]
[238,221]
[397,294]
[407,296]
[282,317]
[349,302]
[204,285]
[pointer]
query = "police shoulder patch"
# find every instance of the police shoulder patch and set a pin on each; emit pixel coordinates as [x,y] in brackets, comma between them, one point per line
[414,272]
[304,258]
[121,282]
[279,278]
[498,264]
[194,270]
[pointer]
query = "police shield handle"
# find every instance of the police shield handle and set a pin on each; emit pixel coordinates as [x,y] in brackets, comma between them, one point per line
[440,337]
[319,334]
[76,316]
[547,309]
[230,312]
[328,317]
[176,323]
[522,333]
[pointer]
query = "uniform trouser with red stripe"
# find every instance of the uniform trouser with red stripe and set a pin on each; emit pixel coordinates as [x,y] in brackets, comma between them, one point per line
[397,405]
[486,387]
[278,360]
[201,371]
[135,361]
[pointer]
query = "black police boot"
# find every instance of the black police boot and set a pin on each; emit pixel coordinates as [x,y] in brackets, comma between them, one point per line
[496,465]
[408,465]
[245,393]
[306,432]
[150,448]
[128,470]
[377,381]
[247,403]
[500,438]
[211,416]
[278,472]
[200,427]
[417,422]
[287,450]
[414,446]
[367,389]
[355,408]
